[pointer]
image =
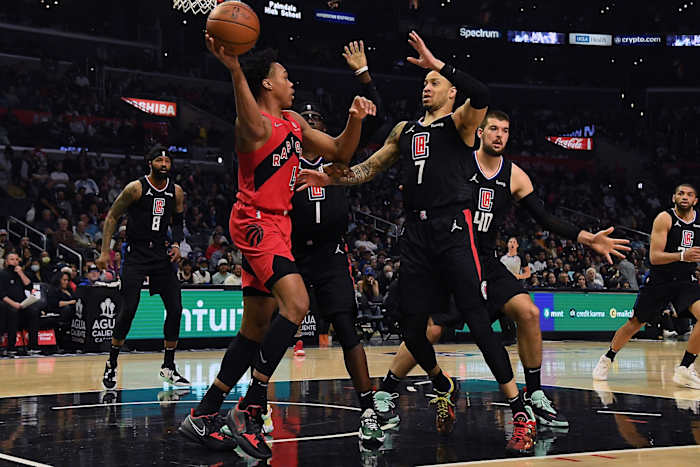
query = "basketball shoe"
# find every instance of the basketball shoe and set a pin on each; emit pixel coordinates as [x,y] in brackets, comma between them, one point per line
[299,349]
[544,410]
[385,408]
[444,403]
[207,430]
[687,377]
[524,433]
[268,427]
[600,372]
[370,431]
[109,379]
[172,377]
[246,428]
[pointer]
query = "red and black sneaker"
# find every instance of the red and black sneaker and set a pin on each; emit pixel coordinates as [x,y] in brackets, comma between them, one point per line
[246,427]
[206,429]
[524,433]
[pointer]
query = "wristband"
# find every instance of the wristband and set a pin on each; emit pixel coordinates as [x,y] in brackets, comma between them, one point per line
[361,70]
[682,254]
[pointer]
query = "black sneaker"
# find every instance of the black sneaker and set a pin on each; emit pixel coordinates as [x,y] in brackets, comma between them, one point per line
[206,430]
[109,380]
[171,376]
[247,429]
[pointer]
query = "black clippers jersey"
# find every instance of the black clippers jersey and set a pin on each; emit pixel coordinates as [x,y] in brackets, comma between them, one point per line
[150,216]
[492,200]
[319,214]
[683,235]
[432,159]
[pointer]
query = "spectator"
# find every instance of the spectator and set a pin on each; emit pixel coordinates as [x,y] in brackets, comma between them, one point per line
[13,283]
[551,280]
[363,244]
[184,274]
[92,276]
[386,278]
[35,273]
[629,273]
[222,274]
[59,177]
[62,301]
[5,244]
[541,263]
[220,252]
[591,282]
[81,238]
[88,184]
[235,277]
[201,275]
[369,286]
[63,234]
[580,281]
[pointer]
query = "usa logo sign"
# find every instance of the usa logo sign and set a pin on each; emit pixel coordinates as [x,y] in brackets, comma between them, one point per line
[687,238]
[419,145]
[158,206]
[485,199]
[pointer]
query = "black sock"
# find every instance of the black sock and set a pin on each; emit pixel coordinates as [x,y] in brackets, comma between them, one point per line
[256,395]
[517,405]
[169,359]
[611,354]
[211,402]
[390,383]
[278,337]
[366,399]
[441,382]
[532,379]
[113,355]
[688,359]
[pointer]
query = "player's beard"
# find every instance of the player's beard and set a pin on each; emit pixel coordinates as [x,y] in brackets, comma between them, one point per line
[683,211]
[160,175]
[488,149]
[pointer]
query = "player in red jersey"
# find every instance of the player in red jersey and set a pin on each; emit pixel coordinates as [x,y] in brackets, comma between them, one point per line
[269,143]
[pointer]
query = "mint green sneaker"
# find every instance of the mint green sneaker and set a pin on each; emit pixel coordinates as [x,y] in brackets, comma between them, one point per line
[370,431]
[386,409]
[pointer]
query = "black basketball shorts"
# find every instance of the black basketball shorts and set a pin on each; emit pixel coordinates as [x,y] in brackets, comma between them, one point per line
[653,298]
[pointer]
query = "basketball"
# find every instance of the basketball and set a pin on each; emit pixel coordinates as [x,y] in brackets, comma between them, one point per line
[235,26]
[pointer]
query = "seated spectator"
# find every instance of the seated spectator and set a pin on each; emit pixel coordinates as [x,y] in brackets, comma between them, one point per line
[92,276]
[591,282]
[5,244]
[235,277]
[363,244]
[81,238]
[368,287]
[580,281]
[62,301]
[34,272]
[222,274]
[201,275]
[220,252]
[184,274]
[551,280]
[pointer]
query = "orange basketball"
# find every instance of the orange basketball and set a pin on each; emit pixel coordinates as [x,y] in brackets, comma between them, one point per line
[235,26]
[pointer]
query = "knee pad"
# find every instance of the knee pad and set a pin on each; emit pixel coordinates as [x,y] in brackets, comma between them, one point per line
[344,325]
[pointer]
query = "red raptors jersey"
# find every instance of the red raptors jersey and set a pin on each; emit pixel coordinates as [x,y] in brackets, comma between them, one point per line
[266,177]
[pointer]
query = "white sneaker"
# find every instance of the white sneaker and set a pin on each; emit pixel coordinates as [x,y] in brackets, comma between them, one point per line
[268,427]
[172,377]
[668,334]
[687,377]
[600,372]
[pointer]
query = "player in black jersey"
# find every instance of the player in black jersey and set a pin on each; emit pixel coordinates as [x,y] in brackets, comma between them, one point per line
[674,251]
[319,222]
[438,250]
[152,204]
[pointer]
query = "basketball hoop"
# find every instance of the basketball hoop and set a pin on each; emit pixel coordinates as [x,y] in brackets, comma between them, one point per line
[195,6]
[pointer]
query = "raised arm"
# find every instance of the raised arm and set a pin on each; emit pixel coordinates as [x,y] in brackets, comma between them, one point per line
[342,147]
[382,159]
[129,195]
[251,127]
[600,242]
[354,55]
[469,115]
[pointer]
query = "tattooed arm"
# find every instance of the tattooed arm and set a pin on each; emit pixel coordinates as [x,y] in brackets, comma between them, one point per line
[129,195]
[338,174]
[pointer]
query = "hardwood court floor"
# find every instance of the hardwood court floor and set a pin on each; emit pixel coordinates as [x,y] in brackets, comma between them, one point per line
[638,417]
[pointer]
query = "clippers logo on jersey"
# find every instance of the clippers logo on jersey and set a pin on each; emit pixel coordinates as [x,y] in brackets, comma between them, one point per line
[485,199]
[158,206]
[687,238]
[420,145]
[254,234]
[317,193]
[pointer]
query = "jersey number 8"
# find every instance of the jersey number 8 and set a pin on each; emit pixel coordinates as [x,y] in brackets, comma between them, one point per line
[156,223]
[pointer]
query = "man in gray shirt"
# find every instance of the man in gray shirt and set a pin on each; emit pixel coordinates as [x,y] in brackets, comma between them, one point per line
[629,273]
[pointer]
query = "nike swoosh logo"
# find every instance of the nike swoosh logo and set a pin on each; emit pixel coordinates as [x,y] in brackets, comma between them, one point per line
[277,125]
[196,428]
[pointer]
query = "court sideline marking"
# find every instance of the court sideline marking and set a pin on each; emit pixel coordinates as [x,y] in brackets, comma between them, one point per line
[556,456]
[19,460]
[116,404]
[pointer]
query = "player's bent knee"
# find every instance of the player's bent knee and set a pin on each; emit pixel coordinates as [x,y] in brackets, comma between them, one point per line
[434,333]
[344,326]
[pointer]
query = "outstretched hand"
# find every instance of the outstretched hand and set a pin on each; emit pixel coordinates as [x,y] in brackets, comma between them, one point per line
[354,54]
[605,245]
[229,61]
[308,178]
[425,59]
[361,107]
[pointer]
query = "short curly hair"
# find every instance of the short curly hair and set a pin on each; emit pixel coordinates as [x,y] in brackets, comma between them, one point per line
[257,67]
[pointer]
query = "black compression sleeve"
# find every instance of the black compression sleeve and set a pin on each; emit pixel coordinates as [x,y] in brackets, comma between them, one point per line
[178,227]
[535,207]
[477,92]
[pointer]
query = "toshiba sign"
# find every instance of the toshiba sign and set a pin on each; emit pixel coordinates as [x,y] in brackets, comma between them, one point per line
[162,108]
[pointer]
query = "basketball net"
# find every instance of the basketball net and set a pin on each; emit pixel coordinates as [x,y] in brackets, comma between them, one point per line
[195,6]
